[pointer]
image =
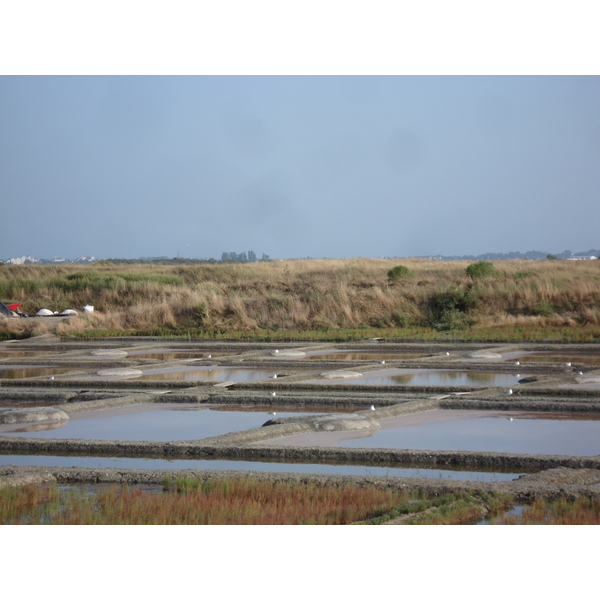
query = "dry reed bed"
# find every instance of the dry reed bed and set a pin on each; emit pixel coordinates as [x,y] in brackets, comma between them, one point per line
[304,295]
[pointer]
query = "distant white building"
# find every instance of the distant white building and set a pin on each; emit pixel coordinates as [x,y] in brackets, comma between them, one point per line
[22,260]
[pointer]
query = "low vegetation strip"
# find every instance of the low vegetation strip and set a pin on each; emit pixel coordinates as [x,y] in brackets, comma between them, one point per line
[315,299]
[195,502]
[251,501]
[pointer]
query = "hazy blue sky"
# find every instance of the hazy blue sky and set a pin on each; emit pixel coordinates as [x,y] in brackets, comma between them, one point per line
[295,166]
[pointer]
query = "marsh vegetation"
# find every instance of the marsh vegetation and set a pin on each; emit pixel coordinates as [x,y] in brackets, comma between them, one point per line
[315,299]
[230,501]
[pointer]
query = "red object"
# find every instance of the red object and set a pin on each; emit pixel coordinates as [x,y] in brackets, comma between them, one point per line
[13,306]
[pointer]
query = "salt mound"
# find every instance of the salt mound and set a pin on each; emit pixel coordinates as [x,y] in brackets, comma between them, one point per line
[485,354]
[119,373]
[592,378]
[109,353]
[32,415]
[340,374]
[288,353]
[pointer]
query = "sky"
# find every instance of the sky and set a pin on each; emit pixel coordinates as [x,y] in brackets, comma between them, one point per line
[293,166]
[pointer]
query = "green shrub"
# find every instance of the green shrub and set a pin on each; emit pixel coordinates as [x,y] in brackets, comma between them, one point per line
[482,269]
[447,309]
[399,272]
[523,274]
[399,319]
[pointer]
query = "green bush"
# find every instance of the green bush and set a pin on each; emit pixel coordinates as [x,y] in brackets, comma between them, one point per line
[399,319]
[447,310]
[482,269]
[399,272]
[523,275]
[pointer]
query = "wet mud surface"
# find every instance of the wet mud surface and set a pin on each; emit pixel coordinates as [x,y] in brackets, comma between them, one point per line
[461,408]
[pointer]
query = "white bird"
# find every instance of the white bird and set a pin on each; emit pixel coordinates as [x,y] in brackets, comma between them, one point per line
[272,394]
[51,377]
[275,351]
[579,372]
[567,364]
[382,362]
[274,414]
[372,407]
[274,376]
[209,356]
[510,419]
[517,363]
[447,353]
[508,391]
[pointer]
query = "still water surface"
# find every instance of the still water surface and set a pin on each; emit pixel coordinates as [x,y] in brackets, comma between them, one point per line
[145,463]
[153,422]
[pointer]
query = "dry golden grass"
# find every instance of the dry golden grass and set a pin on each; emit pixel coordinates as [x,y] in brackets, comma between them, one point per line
[309,294]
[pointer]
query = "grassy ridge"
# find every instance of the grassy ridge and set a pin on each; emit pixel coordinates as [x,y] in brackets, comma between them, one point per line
[319,299]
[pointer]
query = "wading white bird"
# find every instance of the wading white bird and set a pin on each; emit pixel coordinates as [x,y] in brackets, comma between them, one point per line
[209,356]
[275,351]
[274,414]
[382,362]
[274,376]
[508,391]
[517,363]
[272,394]
[51,377]
[447,353]
[372,407]
[579,372]
[510,418]
[567,364]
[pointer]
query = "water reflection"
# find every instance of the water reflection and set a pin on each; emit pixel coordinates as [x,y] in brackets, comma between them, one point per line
[586,359]
[145,463]
[434,377]
[344,355]
[160,423]
[520,433]
[176,354]
[22,372]
[206,374]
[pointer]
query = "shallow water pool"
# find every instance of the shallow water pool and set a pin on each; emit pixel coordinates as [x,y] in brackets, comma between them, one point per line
[25,371]
[430,377]
[194,373]
[365,355]
[232,465]
[154,422]
[478,431]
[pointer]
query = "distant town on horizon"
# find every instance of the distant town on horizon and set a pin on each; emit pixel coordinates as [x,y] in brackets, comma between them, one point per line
[250,256]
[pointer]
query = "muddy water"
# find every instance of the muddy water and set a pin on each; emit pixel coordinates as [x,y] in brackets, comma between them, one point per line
[431,377]
[479,431]
[345,355]
[23,372]
[144,463]
[176,354]
[586,359]
[207,374]
[154,422]
[21,354]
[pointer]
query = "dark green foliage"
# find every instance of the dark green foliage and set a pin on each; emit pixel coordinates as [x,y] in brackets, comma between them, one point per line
[447,309]
[482,269]
[399,272]
[523,274]
[399,319]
